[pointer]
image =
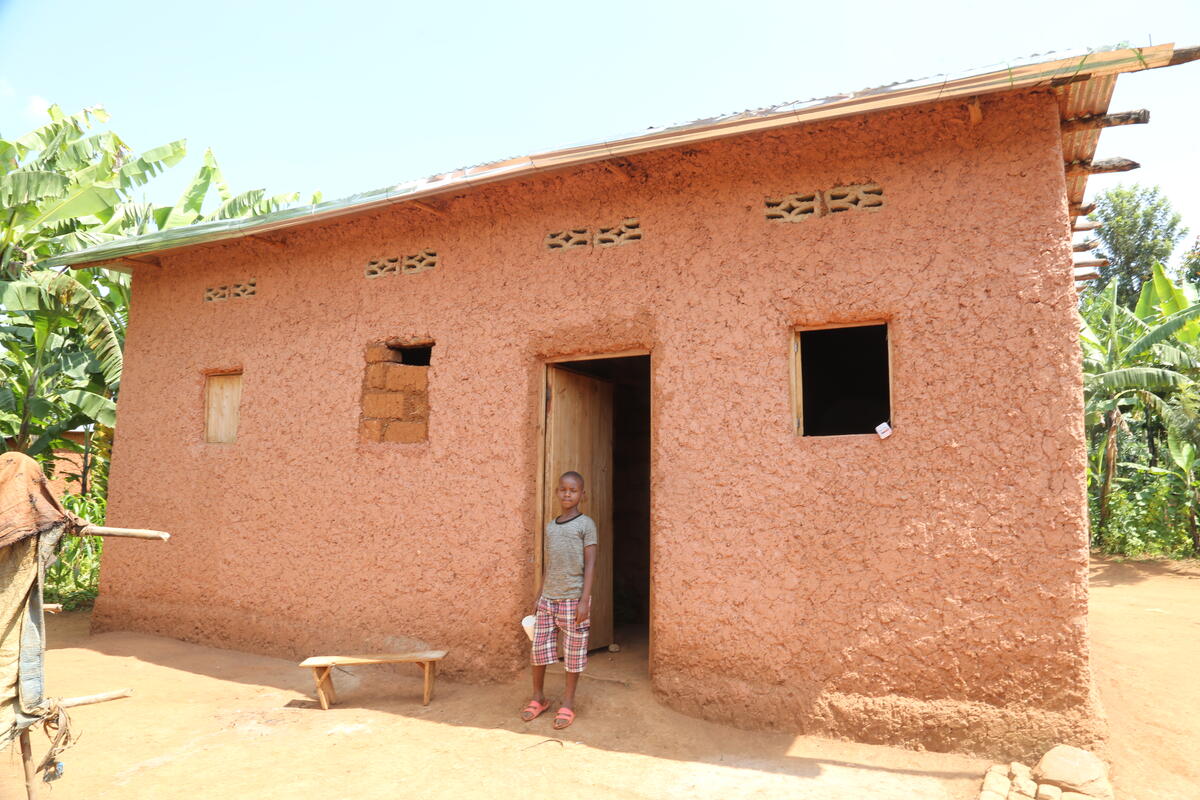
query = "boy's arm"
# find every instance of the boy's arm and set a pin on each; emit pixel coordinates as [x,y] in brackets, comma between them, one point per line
[585,599]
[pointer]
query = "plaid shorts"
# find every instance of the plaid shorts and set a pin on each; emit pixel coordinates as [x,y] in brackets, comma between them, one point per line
[559,614]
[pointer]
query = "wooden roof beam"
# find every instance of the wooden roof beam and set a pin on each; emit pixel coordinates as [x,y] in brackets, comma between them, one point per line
[1084,246]
[1090,275]
[1101,166]
[1080,210]
[1183,55]
[1090,121]
[1086,225]
[1091,262]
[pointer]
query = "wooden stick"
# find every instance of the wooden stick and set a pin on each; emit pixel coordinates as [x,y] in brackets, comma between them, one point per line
[27,762]
[1092,262]
[91,699]
[1087,276]
[278,245]
[128,533]
[616,170]
[1088,121]
[1101,166]
[426,208]
[1086,225]
[1084,246]
[1082,210]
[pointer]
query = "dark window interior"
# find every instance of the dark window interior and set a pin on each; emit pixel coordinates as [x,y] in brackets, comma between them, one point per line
[844,377]
[416,355]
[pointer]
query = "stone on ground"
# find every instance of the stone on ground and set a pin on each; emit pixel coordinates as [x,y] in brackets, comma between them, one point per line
[1074,770]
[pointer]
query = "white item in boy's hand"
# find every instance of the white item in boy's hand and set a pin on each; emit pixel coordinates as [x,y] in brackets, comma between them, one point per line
[884,430]
[527,623]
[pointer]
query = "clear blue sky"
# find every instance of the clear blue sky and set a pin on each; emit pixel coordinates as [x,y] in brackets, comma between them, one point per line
[355,95]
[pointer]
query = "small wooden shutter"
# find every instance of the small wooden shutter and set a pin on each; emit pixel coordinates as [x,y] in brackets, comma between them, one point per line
[222,396]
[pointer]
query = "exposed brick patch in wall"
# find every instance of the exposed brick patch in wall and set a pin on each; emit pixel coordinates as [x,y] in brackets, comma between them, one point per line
[807,205]
[406,265]
[213,294]
[628,232]
[395,393]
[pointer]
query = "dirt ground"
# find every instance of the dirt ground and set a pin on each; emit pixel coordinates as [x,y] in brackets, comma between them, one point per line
[1145,622]
[214,723]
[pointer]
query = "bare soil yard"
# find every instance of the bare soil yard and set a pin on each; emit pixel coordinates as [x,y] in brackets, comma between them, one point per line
[215,723]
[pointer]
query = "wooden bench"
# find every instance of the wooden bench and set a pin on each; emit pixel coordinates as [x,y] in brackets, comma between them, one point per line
[322,667]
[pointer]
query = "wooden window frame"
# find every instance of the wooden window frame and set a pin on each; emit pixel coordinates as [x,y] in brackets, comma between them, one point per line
[797,375]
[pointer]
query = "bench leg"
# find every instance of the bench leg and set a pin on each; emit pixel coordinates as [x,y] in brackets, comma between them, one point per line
[430,668]
[323,678]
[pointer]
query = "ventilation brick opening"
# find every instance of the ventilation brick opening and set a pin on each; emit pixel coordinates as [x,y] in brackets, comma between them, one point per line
[395,395]
[844,382]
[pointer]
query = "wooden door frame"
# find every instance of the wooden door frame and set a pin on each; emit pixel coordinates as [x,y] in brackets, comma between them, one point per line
[540,510]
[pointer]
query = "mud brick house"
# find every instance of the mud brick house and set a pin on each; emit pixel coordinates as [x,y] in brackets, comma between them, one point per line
[350,416]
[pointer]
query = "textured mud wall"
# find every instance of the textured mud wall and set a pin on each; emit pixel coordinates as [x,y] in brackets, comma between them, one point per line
[927,589]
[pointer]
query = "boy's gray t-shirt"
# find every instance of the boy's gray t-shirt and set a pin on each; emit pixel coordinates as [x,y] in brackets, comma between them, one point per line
[564,557]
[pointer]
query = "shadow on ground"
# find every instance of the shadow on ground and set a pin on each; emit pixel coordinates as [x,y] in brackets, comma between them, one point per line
[616,706]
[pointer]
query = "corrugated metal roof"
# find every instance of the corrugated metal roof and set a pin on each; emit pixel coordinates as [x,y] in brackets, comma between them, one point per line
[1084,80]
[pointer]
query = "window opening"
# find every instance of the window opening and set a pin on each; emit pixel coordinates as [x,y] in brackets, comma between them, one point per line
[843,380]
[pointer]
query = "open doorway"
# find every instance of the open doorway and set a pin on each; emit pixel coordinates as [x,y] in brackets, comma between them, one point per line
[598,421]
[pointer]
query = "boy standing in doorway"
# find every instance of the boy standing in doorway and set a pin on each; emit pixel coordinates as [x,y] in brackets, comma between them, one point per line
[566,600]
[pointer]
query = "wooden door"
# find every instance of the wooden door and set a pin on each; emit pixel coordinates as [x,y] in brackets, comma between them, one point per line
[579,437]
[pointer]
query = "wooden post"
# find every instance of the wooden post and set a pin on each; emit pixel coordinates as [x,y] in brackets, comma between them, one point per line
[323,678]
[27,762]
[430,668]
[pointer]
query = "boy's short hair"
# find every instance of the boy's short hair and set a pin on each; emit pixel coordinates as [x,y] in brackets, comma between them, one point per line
[572,474]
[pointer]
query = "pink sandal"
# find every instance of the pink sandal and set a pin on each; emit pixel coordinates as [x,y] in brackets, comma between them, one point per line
[534,709]
[563,713]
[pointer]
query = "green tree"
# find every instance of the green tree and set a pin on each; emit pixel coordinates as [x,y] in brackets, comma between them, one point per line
[1139,229]
[1190,268]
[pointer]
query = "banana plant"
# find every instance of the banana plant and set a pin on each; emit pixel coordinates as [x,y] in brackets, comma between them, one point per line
[1125,356]
[64,187]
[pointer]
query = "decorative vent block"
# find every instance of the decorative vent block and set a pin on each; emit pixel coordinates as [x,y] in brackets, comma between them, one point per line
[565,240]
[426,259]
[408,265]
[216,293]
[794,207]
[808,205]
[846,198]
[627,232]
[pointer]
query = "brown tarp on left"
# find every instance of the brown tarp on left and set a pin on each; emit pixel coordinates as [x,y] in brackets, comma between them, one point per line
[31,524]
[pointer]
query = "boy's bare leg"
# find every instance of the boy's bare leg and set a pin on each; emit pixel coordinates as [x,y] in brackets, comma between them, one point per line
[539,682]
[569,694]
